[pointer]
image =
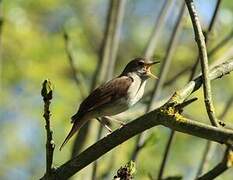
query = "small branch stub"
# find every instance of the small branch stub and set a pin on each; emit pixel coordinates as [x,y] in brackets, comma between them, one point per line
[47,94]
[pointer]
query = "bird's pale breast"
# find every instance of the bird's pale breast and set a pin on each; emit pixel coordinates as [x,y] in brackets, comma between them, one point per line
[134,94]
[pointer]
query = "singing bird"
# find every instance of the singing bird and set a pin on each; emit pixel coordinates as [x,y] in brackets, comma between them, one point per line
[115,96]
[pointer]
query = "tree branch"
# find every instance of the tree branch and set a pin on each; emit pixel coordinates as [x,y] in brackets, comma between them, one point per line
[157,117]
[224,41]
[78,79]
[47,93]
[200,40]
[172,134]
[209,145]
[206,37]
[166,116]
[221,167]
[218,46]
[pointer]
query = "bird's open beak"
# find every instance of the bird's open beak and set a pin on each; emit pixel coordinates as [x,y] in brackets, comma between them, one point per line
[148,66]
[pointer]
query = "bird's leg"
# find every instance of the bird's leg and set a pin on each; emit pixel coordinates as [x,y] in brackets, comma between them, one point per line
[115,120]
[105,125]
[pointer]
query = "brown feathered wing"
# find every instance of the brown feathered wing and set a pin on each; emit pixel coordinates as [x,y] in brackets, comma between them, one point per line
[106,93]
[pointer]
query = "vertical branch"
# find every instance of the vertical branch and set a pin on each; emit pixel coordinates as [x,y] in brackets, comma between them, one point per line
[163,14]
[47,93]
[163,73]
[111,40]
[110,52]
[171,136]
[199,37]
[117,26]
[1,21]
[165,155]
[1,25]
[168,57]
[206,37]
[102,65]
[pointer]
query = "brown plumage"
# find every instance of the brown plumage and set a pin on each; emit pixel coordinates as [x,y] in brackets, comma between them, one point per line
[99,98]
[114,96]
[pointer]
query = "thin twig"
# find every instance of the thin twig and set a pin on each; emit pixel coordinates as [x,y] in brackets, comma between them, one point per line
[208,146]
[162,76]
[221,44]
[176,76]
[78,78]
[221,167]
[160,21]
[157,117]
[114,44]
[199,37]
[1,25]
[165,155]
[204,158]
[47,93]
[218,46]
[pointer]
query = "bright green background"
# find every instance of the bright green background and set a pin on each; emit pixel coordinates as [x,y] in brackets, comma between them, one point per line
[33,49]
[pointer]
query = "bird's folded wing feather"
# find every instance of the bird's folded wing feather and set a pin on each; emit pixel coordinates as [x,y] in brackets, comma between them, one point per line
[105,94]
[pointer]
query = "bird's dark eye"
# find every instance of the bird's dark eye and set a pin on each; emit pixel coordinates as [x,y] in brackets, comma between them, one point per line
[140,63]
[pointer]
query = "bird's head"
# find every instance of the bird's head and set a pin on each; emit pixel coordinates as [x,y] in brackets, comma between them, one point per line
[141,67]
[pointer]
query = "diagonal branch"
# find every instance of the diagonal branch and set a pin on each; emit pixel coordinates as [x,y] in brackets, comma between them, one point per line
[221,167]
[154,118]
[166,116]
[218,46]
[79,80]
[209,145]
[153,40]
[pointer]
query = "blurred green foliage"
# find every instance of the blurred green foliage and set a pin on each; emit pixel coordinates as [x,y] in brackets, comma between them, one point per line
[32,49]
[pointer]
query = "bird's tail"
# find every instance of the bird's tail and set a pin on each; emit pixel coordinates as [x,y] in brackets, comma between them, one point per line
[78,123]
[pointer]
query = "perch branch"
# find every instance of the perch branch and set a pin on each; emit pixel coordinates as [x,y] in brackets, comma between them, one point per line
[162,116]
